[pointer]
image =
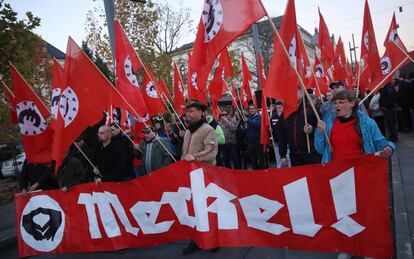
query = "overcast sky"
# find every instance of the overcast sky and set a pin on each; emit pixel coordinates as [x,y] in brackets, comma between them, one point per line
[63,18]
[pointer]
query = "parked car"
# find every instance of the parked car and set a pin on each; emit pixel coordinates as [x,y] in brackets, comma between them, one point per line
[11,167]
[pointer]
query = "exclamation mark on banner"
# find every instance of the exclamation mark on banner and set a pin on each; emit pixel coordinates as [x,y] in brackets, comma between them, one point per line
[344,197]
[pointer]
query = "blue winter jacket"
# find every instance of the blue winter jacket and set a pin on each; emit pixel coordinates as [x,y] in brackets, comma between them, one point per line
[373,139]
[253,131]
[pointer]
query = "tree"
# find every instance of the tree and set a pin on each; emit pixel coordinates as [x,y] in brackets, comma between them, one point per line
[100,64]
[27,52]
[154,30]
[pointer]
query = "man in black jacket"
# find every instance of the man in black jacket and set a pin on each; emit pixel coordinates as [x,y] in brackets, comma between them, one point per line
[293,132]
[387,104]
[120,138]
[109,158]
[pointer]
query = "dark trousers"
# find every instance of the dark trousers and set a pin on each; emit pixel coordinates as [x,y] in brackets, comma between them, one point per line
[256,156]
[231,156]
[219,157]
[380,122]
[305,159]
[389,115]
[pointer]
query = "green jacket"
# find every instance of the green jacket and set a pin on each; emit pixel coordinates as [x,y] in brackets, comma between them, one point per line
[159,157]
[221,140]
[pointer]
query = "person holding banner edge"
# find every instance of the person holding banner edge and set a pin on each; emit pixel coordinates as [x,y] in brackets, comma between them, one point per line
[351,132]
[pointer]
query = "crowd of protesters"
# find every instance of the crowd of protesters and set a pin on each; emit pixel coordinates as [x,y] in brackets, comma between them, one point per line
[347,128]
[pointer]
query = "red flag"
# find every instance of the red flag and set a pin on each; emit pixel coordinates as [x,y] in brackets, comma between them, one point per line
[179,100]
[217,87]
[12,105]
[243,98]
[37,136]
[163,90]
[226,63]
[247,76]
[140,125]
[127,67]
[320,76]
[304,66]
[220,23]
[150,94]
[194,90]
[340,62]
[264,129]
[86,95]
[394,54]
[369,50]
[325,44]
[57,85]
[282,80]
[262,72]
[234,97]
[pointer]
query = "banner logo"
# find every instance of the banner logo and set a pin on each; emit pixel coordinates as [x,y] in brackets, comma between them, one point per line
[129,71]
[386,65]
[69,105]
[42,223]
[54,106]
[31,121]
[212,17]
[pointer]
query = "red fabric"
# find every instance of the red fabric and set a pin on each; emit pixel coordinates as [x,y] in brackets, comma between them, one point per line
[12,105]
[262,72]
[234,97]
[243,98]
[320,80]
[345,140]
[37,136]
[163,89]
[128,66]
[246,77]
[325,43]
[151,92]
[226,63]
[369,50]
[179,100]
[340,62]
[393,57]
[195,92]
[304,66]
[93,94]
[230,19]
[217,87]
[264,129]
[249,206]
[282,82]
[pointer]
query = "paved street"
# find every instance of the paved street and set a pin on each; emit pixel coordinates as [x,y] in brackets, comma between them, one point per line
[403,202]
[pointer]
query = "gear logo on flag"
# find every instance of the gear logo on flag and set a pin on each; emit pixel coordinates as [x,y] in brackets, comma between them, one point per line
[292,51]
[129,71]
[42,223]
[194,80]
[319,71]
[394,37]
[212,17]
[180,87]
[54,106]
[145,118]
[386,65]
[69,105]
[150,90]
[366,40]
[31,121]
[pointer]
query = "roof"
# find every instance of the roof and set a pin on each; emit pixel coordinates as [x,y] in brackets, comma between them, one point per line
[53,51]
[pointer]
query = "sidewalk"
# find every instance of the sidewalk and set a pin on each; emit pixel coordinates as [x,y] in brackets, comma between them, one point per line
[402,199]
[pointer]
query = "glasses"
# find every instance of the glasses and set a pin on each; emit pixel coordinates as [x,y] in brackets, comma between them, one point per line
[225,114]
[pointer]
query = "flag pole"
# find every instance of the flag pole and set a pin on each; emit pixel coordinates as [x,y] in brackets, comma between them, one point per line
[241,105]
[8,89]
[405,52]
[358,79]
[123,131]
[306,123]
[87,158]
[296,72]
[237,105]
[383,80]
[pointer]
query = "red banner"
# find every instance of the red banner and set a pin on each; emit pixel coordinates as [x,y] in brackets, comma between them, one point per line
[339,206]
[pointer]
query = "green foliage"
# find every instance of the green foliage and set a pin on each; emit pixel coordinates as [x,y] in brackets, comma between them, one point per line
[100,64]
[27,52]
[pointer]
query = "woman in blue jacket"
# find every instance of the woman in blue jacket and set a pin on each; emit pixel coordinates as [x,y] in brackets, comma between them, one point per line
[351,132]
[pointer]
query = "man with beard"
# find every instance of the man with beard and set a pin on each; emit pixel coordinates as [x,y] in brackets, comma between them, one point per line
[200,144]
[109,158]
